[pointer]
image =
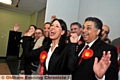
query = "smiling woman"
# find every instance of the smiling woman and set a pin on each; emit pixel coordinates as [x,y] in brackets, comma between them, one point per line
[57,59]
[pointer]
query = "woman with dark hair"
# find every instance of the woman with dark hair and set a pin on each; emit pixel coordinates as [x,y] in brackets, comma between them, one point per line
[46,32]
[56,62]
[25,66]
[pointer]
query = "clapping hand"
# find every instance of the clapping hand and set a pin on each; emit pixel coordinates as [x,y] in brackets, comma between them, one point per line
[74,38]
[101,67]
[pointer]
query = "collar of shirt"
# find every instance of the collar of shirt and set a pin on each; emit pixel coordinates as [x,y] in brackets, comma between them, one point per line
[49,55]
[90,44]
[79,37]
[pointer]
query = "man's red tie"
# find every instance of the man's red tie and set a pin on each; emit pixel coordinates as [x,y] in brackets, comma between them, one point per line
[80,60]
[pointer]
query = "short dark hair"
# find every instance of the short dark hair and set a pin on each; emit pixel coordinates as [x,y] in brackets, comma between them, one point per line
[33,26]
[76,23]
[98,23]
[40,29]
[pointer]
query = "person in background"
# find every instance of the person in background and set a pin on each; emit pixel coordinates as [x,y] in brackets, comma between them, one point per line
[68,33]
[99,64]
[25,66]
[75,28]
[116,42]
[39,37]
[46,31]
[67,37]
[105,32]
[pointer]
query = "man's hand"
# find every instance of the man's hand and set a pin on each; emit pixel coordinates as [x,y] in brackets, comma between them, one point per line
[74,38]
[101,67]
[29,33]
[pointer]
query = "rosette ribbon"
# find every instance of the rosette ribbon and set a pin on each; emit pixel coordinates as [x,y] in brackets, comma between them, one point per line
[87,53]
[42,57]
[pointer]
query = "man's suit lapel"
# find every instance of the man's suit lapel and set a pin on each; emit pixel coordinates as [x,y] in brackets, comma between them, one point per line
[47,49]
[94,47]
[96,44]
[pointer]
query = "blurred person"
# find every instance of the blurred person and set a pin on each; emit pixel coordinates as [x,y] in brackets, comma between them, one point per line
[68,33]
[39,37]
[25,66]
[116,42]
[46,31]
[75,28]
[105,32]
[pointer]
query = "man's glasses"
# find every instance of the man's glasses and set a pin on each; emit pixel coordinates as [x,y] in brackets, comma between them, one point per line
[38,32]
[106,32]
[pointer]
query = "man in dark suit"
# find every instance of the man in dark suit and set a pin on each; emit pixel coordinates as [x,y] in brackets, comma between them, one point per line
[75,28]
[102,64]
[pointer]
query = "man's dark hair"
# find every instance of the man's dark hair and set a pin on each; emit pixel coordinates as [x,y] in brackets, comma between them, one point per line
[33,26]
[76,23]
[98,23]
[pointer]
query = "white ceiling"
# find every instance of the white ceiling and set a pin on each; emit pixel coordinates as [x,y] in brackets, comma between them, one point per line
[26,6]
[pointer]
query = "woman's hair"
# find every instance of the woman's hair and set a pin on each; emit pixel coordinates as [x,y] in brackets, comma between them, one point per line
[40,29]
[33,26]
[64,27]
[63,37]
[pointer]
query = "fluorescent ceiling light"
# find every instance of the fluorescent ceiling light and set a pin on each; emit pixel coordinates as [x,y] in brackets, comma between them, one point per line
[6,2]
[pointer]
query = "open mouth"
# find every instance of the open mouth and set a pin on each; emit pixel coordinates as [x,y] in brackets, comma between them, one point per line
[85,34]
[46,33]
[52,33]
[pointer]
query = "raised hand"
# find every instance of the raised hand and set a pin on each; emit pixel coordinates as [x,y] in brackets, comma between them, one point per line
[101,67]
[74,38]
[16,27]
[29,32]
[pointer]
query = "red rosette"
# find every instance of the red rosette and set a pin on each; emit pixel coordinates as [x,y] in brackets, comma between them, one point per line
[118,48]
[43,56]
[88,53]
[119,65]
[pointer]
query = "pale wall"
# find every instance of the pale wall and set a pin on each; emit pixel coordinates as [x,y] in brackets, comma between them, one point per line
[77,10]
[63,9]
[107,10]
[33,18]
